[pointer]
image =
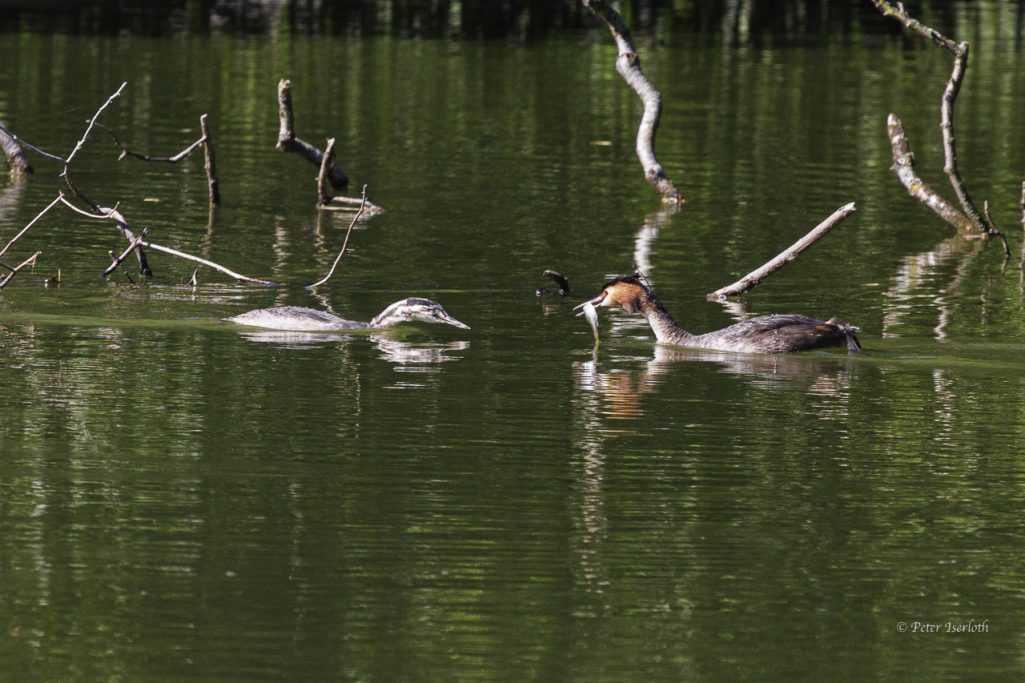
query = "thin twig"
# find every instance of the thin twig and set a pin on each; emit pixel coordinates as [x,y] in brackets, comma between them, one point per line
[23,143]
[747,282]
[88,129]
[125,152]
[14,271]
[31,223]
[344,244]
[994,230]
[628,64]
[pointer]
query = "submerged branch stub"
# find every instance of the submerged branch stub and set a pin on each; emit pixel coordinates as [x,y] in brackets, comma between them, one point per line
[15,155]
[209,165]
[628,64]
[753,278]
[289,142]
[904,167]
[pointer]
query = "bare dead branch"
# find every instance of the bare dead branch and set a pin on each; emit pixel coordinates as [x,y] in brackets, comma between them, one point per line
[213,184]
[205,262]
[31,260]
[288,142]
[904,167]
[139,243]
[960,52]
[30,224]
[753,278]
[628,64]
[344,244]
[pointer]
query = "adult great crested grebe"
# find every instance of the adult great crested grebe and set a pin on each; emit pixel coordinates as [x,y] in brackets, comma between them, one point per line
[299,319]
[765,334]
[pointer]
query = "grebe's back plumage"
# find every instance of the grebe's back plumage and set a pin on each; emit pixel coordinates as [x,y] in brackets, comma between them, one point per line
[780,333]
[301,319]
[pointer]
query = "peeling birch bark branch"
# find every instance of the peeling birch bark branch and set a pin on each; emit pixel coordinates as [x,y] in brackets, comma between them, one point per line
[30,224]
[31,260]
[628,64]
[288,142]
[960,50]
[344,243]
[16,160]
[753,278]
[209,165]
[904,167]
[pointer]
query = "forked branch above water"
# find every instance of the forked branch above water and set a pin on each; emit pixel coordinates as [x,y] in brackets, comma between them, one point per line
[979,220]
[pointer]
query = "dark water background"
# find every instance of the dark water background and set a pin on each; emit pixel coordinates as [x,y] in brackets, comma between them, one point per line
[183,499]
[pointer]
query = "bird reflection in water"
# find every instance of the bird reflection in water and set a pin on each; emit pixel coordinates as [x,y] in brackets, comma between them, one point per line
[409,356]
[622,390]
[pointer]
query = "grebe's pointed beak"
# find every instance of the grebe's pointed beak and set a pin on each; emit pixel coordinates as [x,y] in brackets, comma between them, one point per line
[596,301]
[449,320]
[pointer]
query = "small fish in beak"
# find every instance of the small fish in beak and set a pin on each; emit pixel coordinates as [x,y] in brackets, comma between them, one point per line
[591,314]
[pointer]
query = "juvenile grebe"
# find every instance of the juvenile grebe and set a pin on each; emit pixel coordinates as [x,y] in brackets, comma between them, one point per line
[766,334]
[296,318]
